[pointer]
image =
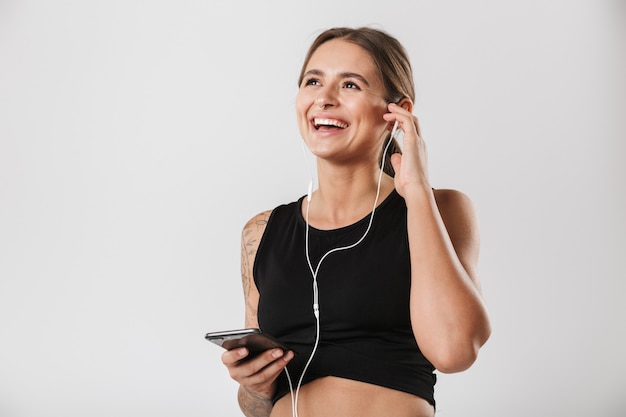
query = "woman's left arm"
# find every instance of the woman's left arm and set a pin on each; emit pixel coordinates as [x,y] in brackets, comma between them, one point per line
[448,315]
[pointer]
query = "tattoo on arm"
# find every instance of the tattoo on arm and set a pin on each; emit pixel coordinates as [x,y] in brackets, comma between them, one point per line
[245,262]
[246,268]
[254,405]
[250,239]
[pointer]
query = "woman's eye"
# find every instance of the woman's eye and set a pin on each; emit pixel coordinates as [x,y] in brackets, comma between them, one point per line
[350,84]
[311,81]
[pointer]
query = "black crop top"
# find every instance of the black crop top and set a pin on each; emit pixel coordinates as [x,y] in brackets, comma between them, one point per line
[365,324]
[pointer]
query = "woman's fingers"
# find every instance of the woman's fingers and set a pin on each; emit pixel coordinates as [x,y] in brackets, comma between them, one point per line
[261,370]
[407,121]
[411,167]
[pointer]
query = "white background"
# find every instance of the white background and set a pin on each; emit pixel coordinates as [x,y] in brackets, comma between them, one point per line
[137,138]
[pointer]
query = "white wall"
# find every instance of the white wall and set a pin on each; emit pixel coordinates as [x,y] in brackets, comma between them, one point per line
[137,137]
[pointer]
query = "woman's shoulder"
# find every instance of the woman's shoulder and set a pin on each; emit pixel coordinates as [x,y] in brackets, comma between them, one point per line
[459,215]
[256,225]
[457,210]
[454,200]
[259,221]
[450,195]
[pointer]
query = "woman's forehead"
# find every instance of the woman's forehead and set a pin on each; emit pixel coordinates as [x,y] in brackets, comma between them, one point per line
[339,56]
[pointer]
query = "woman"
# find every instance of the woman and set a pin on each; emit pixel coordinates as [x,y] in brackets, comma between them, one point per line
[391,261]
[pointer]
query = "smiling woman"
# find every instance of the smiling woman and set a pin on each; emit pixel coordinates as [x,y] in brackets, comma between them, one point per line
[393,68]
[341,88]
[372,277]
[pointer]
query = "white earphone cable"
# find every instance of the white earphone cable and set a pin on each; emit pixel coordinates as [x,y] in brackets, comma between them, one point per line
[314,272]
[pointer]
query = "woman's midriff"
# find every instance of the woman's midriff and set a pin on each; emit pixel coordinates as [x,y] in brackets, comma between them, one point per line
[338,397]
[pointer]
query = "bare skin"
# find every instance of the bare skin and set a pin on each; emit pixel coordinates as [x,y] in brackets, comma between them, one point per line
[447,312]
[342,397]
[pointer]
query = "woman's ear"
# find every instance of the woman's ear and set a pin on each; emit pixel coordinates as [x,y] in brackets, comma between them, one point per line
[406,104]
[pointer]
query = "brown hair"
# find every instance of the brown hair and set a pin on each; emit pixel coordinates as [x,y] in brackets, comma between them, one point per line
[391,60]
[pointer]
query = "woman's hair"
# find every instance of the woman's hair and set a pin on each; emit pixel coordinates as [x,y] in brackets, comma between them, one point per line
[391,60]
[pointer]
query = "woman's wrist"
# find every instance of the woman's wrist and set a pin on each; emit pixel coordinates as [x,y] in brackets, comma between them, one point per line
[253,404]
[256,395]
[417,193]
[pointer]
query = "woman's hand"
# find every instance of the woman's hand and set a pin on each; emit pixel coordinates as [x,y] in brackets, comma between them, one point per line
[411,167]
[257,375]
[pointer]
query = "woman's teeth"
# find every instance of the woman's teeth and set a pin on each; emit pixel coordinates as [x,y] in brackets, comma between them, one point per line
[329,123]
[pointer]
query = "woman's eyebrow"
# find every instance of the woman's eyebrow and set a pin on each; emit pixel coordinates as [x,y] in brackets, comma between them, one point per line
[355,75]
[320,73]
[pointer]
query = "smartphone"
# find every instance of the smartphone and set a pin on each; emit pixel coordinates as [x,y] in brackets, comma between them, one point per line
[253,339]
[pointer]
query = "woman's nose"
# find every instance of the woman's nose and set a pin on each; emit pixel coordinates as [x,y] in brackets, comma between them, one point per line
[325,99]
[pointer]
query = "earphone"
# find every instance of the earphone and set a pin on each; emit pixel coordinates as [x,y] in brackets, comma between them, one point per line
[314,272]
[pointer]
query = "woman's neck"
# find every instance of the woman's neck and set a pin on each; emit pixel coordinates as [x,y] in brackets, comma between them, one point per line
[346,195]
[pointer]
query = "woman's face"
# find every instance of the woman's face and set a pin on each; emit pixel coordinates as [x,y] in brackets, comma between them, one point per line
[341,102]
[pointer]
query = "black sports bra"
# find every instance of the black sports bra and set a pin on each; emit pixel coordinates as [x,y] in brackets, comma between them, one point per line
[365,327]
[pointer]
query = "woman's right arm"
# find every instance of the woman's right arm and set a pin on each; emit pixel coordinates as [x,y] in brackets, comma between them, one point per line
[256,377]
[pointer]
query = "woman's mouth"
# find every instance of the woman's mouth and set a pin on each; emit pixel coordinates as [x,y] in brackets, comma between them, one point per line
[328,124]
